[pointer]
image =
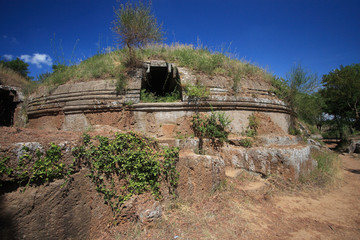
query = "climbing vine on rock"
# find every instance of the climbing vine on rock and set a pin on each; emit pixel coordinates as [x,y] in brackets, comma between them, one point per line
[126,165]
[38,167]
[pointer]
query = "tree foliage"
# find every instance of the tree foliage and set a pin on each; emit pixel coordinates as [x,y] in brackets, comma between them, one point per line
[341,94]
[310,109]
[18,66]
[298,91]
[135,26]
[300,82]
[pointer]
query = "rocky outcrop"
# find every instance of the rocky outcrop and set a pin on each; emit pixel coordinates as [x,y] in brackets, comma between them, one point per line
[283,156]
[199,174]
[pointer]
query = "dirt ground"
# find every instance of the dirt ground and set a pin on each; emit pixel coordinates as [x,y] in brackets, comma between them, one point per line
[334,214]
[250,208]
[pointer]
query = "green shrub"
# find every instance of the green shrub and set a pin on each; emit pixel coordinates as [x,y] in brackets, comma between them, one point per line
[250,133]
[294,131]
[252,127]
[246,142]
[213,127]
[196,92]
[280,88]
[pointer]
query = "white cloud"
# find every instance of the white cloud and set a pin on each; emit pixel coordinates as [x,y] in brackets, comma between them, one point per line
[37,59]
[8,57]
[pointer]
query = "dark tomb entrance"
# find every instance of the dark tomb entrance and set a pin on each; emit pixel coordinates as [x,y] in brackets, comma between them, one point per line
[161,80]
[7,107]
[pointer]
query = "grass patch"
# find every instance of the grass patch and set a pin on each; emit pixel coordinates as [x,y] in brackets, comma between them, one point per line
[100,66]
[151,97]
[11,78]
[203,60]
[327,171]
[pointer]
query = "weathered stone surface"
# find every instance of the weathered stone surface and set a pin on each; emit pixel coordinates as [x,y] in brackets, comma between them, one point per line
[232,172]
[354,146]
[150,212]
[76,211]
[289,162]
[76,122]
[278,140]
[27,147]
[199,173]
[316,136]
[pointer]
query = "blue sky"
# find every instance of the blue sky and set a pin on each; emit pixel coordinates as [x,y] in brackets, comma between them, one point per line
[273,34]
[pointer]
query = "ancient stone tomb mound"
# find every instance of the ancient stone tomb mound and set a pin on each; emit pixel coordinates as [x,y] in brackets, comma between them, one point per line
[97,107]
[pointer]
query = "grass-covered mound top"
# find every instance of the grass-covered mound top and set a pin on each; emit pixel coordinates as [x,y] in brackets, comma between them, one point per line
[200,60]
[11,78]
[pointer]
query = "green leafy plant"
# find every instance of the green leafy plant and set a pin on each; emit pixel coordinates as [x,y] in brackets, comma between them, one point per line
[129,164]
[37,168]
[213,127]
[246,142]
[171,175]
[253,126]
[120,83]
[146,96]
[4,169]
[45,168]
[294,131]
[196,92]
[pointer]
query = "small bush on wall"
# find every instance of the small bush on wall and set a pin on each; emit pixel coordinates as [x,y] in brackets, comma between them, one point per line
[213,127]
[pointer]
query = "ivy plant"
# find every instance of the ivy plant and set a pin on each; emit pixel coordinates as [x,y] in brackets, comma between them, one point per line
[126,165]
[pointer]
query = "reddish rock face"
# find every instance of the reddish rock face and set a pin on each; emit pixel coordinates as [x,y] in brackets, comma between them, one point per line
[168,130]
[52,212]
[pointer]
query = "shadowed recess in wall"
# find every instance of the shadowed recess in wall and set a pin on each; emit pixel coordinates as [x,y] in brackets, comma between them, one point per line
[160,79]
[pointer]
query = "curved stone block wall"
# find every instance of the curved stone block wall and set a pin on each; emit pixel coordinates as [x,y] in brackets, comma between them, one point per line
[78,106]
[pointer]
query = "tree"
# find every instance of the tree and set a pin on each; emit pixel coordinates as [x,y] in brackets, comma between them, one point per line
[310,109]
[341,93]
[18,66]
[135,26]
[301,84]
